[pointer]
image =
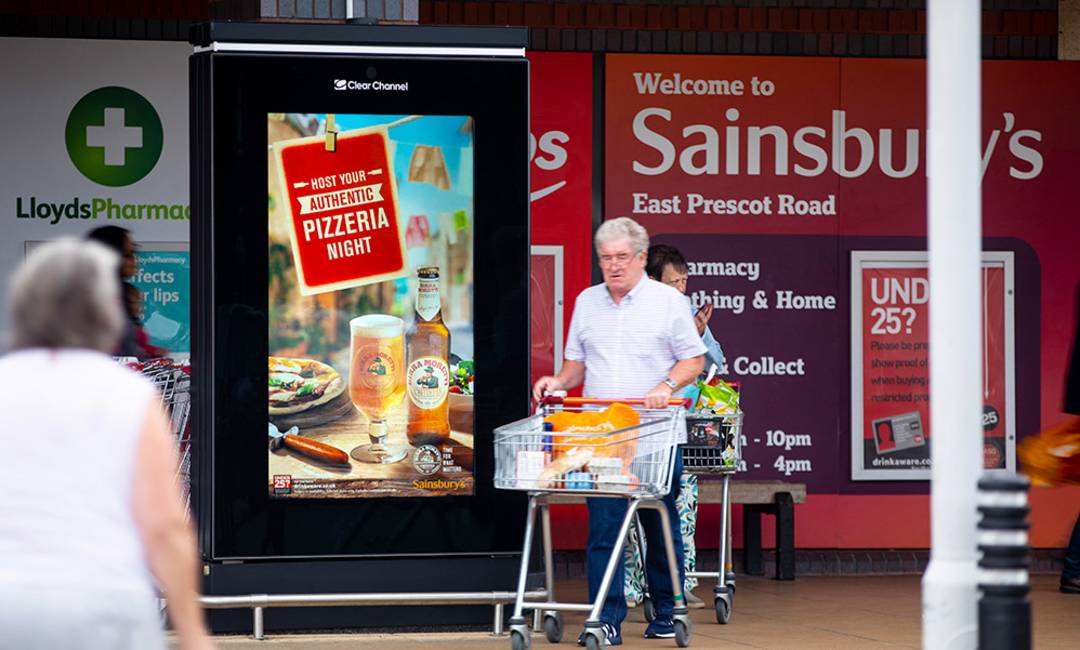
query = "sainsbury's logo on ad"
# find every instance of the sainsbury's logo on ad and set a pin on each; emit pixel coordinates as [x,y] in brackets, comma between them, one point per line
[548,153]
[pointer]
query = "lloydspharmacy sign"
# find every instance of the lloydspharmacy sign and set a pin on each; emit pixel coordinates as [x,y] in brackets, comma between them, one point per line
[114,137]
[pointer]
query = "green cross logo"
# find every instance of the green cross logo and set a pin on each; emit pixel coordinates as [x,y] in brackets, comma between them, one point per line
[114,136]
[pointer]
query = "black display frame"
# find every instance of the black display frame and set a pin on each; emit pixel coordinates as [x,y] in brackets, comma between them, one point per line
[232,94]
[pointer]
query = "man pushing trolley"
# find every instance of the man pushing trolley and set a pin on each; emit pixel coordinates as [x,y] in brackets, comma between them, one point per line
[629,337]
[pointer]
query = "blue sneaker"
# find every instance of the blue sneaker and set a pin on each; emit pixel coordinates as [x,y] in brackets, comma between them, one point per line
[661,628]
[610,633]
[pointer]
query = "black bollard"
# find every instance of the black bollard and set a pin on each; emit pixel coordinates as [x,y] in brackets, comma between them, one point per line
[1002,539]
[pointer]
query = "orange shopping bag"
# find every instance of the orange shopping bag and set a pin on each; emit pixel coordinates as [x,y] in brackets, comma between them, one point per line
[611,420]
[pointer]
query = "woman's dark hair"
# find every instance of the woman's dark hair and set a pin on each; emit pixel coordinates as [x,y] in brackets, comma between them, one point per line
[112,236]
[660,255]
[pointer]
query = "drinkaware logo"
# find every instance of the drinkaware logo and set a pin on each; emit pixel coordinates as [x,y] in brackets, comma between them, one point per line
[114,136]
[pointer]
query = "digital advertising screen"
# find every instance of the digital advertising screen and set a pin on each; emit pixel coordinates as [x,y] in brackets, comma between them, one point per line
[360,317]
[370,296]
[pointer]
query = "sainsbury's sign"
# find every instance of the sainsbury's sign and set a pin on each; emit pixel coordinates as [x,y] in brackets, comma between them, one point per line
[811,145]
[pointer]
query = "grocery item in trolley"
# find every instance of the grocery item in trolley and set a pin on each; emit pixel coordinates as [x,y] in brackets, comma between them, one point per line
[619,449]
[609,421]
[607,449]
[714,429]
[717,396]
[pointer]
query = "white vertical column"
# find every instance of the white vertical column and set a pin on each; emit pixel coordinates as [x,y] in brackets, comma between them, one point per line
[955,208]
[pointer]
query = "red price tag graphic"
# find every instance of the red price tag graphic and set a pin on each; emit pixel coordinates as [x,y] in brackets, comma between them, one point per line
[344,210]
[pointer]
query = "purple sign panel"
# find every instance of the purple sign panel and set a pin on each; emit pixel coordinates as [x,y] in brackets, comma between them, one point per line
[779,320]
[781,312]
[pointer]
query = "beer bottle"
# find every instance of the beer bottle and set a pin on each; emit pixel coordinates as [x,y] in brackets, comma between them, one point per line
[427,374]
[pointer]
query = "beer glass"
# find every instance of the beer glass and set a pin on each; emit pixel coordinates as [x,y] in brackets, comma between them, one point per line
[377,381]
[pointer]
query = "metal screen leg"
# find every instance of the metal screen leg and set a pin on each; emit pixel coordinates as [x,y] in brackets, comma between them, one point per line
[538,620]
[257,623]
[497,629]
[613,562]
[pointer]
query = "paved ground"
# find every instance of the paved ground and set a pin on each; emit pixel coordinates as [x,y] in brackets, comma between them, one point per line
[831,613]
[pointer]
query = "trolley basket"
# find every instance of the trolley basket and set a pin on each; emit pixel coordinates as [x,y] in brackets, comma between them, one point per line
[713,442]
[630,461]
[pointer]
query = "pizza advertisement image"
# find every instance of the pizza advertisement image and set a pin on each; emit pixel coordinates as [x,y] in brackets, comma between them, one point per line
[371,372]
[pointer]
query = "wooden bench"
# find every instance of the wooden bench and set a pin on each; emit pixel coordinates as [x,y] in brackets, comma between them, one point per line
[756,497]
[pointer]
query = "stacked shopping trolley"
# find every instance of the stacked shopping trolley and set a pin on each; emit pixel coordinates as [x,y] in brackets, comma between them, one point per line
[173,381]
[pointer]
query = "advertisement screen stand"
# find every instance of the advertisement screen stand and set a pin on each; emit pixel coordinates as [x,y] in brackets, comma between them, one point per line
[360,248]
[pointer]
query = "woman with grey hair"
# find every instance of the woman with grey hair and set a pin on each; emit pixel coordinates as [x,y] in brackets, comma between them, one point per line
[89,509]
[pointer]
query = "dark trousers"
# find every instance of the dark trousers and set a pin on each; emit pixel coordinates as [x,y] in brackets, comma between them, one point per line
[605,518]
[1072,554]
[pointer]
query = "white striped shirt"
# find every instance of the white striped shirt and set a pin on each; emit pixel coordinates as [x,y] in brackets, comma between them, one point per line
[630,347]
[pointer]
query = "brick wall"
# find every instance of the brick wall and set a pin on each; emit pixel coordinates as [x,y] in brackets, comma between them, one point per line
[123,19]
[170,19]
[888,28]
[1013,29]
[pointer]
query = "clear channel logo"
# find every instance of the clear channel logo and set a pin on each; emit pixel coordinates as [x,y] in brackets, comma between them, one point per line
[114,136]
[381,86]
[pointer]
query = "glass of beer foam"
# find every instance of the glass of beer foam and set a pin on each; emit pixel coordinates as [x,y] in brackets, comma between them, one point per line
[377,381]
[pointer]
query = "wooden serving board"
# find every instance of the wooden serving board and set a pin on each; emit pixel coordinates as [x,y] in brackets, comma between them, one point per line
[349,431]
[332,410]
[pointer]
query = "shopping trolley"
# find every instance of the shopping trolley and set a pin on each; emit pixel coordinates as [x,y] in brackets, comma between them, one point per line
[633,463]
[173,382]
[713,446]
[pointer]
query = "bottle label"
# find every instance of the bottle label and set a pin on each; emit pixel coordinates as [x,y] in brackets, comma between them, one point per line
[375,367]
[429,381]
[427,299]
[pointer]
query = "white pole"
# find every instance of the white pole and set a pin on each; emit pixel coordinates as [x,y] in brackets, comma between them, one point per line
[953,80]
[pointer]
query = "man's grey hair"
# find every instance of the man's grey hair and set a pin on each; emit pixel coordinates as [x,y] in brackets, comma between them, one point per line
[66,294]
[623,228]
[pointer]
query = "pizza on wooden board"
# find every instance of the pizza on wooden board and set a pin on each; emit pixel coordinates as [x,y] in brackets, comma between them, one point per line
[298,385]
